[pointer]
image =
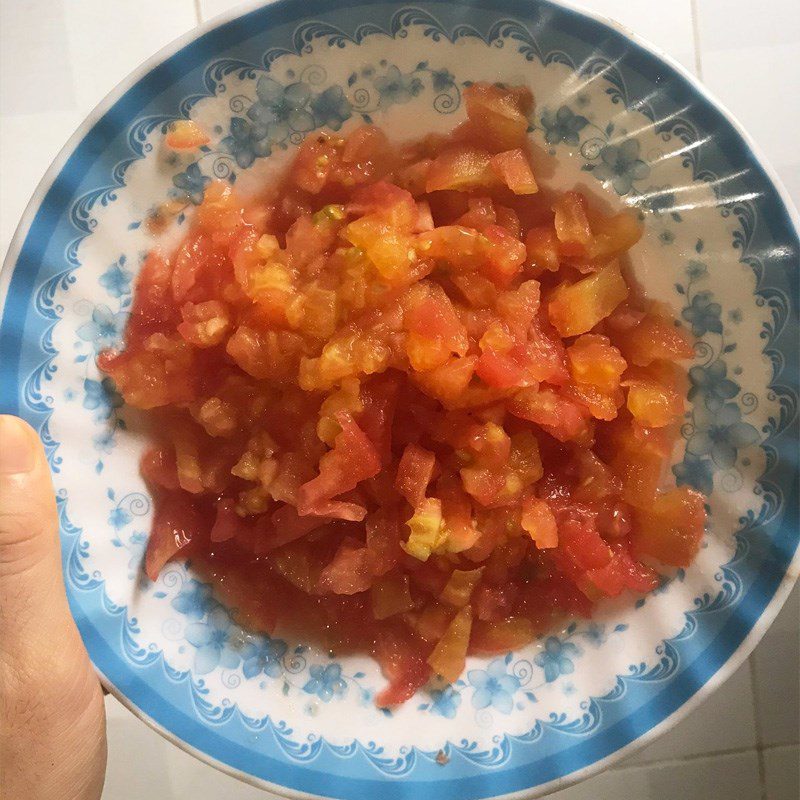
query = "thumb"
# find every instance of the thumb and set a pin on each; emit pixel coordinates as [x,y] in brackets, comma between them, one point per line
[52,734]
[33,604]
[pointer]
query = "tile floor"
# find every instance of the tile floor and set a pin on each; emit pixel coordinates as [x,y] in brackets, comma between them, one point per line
[743,741]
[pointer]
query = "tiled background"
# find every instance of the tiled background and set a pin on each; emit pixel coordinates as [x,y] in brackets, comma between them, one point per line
[741,743]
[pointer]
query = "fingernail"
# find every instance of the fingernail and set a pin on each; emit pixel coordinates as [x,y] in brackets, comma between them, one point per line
[16,448]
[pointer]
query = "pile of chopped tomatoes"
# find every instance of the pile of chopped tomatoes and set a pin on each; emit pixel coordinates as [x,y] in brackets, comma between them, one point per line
[407,402]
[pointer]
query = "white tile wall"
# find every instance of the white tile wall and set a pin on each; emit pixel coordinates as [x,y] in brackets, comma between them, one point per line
[749,728]
[782,772]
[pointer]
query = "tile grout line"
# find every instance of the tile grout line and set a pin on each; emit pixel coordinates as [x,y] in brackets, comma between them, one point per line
[660,762]
[762,772]
[198,12]
[698,59]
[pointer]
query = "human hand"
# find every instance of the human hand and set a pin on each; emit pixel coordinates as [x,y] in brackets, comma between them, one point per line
[52,717]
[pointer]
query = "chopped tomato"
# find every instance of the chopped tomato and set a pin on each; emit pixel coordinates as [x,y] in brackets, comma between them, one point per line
[671,528]
[414,473]
[401,658]
[352,459]
[175,525]
[184,134]
[539,522]
[407,402]
[513,168]
[576,308]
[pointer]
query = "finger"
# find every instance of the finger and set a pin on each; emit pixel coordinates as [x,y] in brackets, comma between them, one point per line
[31,582]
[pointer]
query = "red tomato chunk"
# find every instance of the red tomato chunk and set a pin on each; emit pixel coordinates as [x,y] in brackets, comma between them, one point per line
[409,404]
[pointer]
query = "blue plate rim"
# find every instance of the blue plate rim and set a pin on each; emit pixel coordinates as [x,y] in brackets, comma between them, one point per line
[746,644]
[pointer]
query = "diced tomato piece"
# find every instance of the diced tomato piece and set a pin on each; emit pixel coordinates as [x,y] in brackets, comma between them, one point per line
[572,224]
[450,654]
[288,525]
[457,513]
[653,404]
[613,235]
[459,588]
[539,522]
[402,660]
[560,417]
[504,253]
[576,308]
[638,460]
[227,523]
[175,525]
[542,247]
[379,397]
[583,545]
[414,473]
[654,338]
[671,528]
[622,572]
[448,382]
[502,636]
[480,213]
[158,467]
[514,169]
[384,535]
[204,324]
[352,460]
[393,205]
[184,134]
[462,169]
[350,571]
[498,117]
[391,595]
[594,360]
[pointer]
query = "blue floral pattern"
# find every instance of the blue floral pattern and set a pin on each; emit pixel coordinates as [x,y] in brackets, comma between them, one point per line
[621,165]
[563,126]
[720,433]
[263,654]
[326,682]
[218,642]
[194,600]
[557,658]
[116,280]
[716,432]
[445,702]
[104,330]
[493,687]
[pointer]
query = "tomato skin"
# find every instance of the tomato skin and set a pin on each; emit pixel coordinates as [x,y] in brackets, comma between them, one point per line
[460,169]
[539,522]
[573,231]
[561,417]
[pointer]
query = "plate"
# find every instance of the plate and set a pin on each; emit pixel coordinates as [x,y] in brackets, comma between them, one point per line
[720,248]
